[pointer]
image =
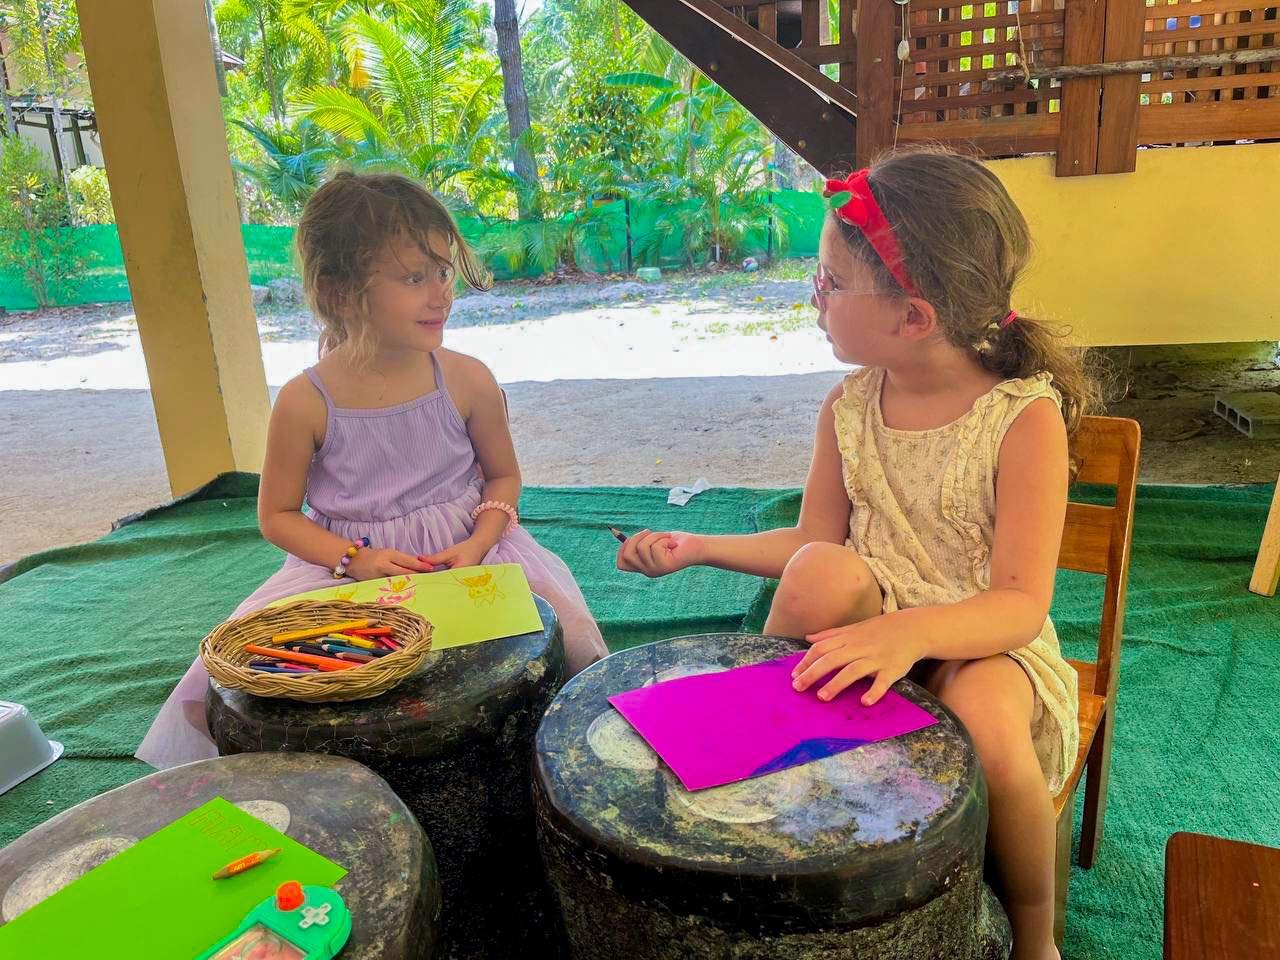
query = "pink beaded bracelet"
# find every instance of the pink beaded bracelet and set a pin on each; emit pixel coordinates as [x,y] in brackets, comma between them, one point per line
[506,508]
[340,571]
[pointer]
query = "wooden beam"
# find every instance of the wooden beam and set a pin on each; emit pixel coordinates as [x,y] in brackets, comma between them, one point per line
[1118,127]
[803,107]
[1083,30]
[876,70]
[738,31]
[152,75]
[1266,570]
[1191,61]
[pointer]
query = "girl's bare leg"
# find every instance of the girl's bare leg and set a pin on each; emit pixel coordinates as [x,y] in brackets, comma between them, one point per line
[994,699]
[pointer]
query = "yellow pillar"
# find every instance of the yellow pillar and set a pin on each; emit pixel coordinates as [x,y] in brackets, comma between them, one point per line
[155,93]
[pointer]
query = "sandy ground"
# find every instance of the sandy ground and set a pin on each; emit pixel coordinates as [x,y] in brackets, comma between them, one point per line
[609,383]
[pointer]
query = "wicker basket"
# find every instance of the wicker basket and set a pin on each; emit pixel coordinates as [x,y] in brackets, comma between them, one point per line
[227,662]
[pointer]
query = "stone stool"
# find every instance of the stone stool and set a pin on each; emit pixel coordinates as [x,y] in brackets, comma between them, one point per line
[335,807]
[455,742]
[876,852]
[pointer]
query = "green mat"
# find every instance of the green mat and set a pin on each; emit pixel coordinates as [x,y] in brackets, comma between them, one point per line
[107,628]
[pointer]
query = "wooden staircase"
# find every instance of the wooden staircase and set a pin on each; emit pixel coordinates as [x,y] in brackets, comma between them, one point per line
[767,58]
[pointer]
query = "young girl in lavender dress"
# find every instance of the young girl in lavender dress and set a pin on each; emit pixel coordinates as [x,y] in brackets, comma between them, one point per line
[389,437]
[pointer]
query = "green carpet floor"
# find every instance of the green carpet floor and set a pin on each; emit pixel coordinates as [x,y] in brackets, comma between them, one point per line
[108,627]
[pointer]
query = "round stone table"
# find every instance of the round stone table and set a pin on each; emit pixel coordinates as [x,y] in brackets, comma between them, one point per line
[337,808]
[455,741]
[875,852]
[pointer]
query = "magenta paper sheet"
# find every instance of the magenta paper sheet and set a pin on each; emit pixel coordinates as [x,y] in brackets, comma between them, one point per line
[718,728]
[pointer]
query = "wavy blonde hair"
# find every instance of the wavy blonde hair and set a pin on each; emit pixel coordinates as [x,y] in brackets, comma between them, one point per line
[345,227]
[965,243]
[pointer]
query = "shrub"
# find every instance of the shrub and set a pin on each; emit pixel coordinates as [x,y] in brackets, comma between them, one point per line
[35,239]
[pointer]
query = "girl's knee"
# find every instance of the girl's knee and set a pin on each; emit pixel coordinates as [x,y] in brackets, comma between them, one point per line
[993,699]
[828,568]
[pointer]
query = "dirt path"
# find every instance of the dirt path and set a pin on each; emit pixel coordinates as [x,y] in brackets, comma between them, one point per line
[609,384]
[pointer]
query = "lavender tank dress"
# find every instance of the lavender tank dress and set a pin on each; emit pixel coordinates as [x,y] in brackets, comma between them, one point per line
[407,478]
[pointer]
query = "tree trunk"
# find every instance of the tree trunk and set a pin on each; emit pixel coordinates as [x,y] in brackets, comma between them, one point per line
[787,165]
[508,29]
[10,121]
[270,76]
[219,67]
[55,98]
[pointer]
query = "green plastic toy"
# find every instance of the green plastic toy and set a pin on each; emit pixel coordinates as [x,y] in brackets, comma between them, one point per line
[298,923]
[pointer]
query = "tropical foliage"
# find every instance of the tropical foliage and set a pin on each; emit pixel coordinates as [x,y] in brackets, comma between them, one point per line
[34,241]
[416,86]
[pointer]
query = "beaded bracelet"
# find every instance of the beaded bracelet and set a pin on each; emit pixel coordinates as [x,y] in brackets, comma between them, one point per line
[340,571]
[506,508]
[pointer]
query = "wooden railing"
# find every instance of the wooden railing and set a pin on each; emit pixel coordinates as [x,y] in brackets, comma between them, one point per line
[1089,80]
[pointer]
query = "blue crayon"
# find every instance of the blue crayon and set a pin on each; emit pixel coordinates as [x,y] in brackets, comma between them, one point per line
[339,648]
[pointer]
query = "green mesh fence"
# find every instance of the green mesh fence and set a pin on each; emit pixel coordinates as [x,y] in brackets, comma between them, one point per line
[600,246]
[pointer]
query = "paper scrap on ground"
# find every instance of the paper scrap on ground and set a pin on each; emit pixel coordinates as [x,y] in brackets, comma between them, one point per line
[680,496]
[466,605]
[157,900]
[718,728]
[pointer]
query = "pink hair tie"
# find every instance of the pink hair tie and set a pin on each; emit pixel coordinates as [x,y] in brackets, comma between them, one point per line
[1011,316]
[506,508]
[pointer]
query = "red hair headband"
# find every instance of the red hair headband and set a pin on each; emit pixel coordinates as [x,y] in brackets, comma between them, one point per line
[862,211]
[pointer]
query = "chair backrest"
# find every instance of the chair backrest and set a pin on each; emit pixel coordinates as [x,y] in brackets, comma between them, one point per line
[1096,538]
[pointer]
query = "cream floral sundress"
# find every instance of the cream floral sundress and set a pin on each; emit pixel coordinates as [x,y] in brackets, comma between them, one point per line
[923,517]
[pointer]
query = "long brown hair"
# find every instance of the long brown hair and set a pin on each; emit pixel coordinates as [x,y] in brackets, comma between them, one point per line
[965,242]
[346,225]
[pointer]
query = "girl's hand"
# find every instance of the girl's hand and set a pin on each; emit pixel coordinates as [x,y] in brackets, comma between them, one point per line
[878,647]
[467,553]
[370,564]
[658,554]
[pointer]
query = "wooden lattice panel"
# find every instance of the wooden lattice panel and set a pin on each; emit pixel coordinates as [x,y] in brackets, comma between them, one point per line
[1233,102]
[948,90]
[979,76]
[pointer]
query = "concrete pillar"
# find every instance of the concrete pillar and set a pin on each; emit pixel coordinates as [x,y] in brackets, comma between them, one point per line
[155,92]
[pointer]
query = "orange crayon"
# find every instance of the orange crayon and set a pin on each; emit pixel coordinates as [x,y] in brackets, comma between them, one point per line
[245,863]
[324,663]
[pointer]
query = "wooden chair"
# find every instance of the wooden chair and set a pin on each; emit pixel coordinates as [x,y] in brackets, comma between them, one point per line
[1096,539]
[1266,570]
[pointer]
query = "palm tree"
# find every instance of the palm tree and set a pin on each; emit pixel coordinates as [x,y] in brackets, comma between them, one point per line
[423,93]
[294,160]
[709,178]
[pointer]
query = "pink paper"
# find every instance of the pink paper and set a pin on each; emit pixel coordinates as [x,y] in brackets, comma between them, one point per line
[719,728]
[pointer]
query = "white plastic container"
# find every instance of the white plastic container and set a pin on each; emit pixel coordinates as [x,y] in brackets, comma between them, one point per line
[24,751]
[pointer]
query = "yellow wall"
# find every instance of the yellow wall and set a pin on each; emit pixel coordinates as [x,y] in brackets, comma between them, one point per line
[1184,250]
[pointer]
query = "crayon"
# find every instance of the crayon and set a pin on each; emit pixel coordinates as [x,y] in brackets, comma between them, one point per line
[618,535]
[340,648]
[277,668]
[369,631]
[319,631]
[298,646]
[393,644]
[355,657]
[245,863]
[349,641]
[324,663]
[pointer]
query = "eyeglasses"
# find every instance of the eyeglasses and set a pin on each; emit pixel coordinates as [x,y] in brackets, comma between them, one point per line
[824,286]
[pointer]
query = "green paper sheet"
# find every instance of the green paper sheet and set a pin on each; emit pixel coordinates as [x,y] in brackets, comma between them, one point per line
[157,900]
[466,605]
